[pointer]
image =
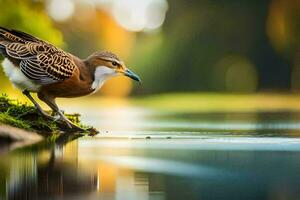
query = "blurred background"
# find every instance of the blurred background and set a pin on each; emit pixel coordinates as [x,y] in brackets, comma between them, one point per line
[210,68]
[174,45]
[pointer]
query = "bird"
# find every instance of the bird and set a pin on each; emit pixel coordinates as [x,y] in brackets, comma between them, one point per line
[36,66]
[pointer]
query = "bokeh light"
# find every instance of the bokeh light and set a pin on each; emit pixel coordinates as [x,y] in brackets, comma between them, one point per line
[137,15]
[133,15]
[237,74]
[60,10]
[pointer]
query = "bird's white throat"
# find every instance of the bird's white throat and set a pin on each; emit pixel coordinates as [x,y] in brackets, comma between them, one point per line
[102,73]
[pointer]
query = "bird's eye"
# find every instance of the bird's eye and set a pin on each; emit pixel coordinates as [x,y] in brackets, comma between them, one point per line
[114,63]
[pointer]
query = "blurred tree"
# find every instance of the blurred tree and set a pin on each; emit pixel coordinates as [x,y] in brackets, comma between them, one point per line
[30,17]
[283,28]
[204,45]
[196,37]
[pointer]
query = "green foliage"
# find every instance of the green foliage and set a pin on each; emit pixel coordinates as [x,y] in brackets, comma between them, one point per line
[26,117]
[7,119]
[28,17]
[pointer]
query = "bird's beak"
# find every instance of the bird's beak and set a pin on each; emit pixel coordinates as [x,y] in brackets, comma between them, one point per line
[132,75]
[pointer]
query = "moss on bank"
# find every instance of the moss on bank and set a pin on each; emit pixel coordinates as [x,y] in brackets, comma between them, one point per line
[27,117]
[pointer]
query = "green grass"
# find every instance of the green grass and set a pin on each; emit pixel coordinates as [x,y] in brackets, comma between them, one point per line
[26,117]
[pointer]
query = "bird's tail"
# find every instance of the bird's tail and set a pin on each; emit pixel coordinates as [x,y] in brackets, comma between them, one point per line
[13,35]
[5,39]
[2,40]
[2,32]
[7,36]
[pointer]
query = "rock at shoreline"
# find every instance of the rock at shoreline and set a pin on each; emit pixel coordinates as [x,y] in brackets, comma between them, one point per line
[12,138]
[9,133]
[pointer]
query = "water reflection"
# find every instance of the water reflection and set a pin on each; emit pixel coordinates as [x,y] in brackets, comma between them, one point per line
[192,156]
[53,172]
[136,120]
[152,169]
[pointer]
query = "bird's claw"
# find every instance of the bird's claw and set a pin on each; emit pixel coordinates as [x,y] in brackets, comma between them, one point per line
[70,125]
[56,118]
[59,117]
[46,115]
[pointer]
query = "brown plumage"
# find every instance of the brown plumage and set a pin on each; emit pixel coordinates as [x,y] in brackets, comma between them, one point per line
[38,60]
[37,66]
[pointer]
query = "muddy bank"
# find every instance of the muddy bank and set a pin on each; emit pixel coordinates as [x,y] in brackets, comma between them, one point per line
[21,125]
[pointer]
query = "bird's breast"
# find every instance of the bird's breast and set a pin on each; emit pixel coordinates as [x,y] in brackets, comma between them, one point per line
[71,87]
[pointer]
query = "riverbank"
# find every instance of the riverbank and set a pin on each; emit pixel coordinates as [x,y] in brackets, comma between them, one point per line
[21,125]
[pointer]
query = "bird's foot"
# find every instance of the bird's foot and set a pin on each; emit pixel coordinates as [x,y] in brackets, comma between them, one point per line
[56,115]
[70,124]
[46,115]
[59,117]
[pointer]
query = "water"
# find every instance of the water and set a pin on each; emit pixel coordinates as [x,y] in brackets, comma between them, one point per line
[144,154]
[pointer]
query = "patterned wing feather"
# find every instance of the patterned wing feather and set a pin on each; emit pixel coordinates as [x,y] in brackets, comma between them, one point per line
[38,60]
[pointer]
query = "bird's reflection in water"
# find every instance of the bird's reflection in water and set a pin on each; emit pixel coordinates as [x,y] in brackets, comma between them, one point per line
[57,173]
[135,169]
[51,173]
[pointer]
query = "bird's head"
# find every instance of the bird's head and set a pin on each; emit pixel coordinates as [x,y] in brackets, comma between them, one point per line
[107,65]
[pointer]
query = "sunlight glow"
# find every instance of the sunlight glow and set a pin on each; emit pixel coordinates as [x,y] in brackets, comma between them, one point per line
[60,10]
[137,15]
[133,15]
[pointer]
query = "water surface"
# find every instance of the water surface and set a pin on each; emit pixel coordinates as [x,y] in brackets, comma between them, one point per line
[145,154]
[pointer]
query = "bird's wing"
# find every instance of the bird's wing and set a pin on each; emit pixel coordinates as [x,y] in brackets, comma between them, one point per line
[38,60]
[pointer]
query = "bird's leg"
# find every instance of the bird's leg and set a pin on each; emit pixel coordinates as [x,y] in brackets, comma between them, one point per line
[38,107]
[51,103]
[67,121]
